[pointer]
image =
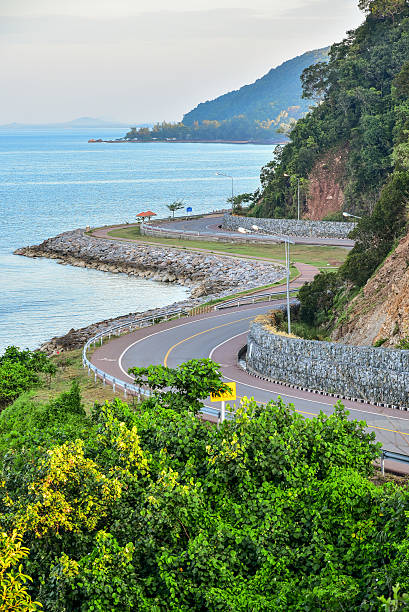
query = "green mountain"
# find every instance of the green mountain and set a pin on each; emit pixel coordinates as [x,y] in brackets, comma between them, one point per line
[351,153]
[346,147]
[261,111]
[278,94]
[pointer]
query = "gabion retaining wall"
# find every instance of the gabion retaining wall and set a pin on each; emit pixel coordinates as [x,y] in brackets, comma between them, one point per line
[375,375]
[290,227]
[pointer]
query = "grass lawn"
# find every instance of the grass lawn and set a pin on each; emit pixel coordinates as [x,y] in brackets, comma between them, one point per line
[319,256]
[69,368]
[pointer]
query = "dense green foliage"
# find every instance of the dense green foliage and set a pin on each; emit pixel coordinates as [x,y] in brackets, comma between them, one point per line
[20,371]
[364,117]
[149,508]
[259,111]
[376,235]
[180,388]
[262,101]
[363,114]
[324,299]
[317,298]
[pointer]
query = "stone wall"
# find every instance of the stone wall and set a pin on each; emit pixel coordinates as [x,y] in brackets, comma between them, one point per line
[290,227]
[375,375]
[206,274]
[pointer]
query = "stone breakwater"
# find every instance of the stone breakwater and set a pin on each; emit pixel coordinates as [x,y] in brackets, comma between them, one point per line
[290,227]
[375,375]
[208,276]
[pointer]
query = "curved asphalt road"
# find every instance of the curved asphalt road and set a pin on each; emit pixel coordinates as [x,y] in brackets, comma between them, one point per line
[220,335]
[209,225]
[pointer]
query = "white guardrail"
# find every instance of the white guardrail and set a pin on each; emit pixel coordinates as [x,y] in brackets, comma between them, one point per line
[132,389]
[182,232]
[251,299]
[128,387]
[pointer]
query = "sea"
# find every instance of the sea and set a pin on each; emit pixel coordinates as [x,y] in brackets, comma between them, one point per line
[53,180]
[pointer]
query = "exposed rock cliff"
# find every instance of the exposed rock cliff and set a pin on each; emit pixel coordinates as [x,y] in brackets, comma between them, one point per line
[326,180]
[381,311]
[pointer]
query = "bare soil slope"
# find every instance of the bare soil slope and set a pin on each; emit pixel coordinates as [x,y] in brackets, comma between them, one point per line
[381,310]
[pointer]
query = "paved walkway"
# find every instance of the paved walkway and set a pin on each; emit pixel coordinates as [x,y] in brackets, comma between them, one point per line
[208,227]
[219,336]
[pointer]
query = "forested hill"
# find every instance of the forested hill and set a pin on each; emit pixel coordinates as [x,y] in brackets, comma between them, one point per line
[277,91]
[351,153]
[260,112]
[344,150]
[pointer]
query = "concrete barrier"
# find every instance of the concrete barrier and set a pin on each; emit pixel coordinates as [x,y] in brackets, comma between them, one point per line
[290,227]
[375,375]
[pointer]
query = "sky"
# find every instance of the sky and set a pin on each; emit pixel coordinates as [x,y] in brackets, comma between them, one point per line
[149,60]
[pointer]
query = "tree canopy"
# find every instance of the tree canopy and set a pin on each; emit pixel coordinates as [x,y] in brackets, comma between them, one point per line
[362,111]
[259,111]
[150,508]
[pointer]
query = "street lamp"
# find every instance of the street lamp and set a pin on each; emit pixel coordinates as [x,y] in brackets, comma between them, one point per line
[230,177]
[347,214]
[298,195]
[287,241]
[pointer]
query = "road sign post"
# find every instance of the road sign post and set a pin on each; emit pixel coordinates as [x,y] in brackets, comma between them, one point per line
[223,412]
[229,394]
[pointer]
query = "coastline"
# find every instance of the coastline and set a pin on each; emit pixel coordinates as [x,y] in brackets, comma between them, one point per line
[208,276]
[158,141]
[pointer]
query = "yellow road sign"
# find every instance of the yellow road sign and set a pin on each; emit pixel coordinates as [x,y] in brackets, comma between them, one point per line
[225,396]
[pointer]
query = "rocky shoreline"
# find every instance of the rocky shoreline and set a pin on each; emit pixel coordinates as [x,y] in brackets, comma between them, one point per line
[208,276]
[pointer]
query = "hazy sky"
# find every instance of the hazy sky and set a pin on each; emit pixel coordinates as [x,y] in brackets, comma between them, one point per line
[148,60]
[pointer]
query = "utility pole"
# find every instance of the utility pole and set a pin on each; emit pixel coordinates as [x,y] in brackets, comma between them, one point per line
[298,193]
[287,241]
[287,261]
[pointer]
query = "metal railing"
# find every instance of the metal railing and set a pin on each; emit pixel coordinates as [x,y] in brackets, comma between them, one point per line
[117,330]
[220,234]
[393,456]
[127,387]
[183,232]
[250,299]
[140,391]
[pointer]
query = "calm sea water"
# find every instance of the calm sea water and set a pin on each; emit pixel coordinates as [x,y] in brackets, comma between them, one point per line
[53,180]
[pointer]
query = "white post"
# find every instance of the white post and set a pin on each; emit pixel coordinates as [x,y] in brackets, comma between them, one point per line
[287,260]
[223,412]
[298,190]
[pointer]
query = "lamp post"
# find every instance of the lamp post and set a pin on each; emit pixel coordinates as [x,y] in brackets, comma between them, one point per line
[230,177]
[347,214]
[298,195]
[287,241]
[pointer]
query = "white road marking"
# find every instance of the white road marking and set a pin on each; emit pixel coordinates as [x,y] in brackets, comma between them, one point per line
[312,401]
[172,328]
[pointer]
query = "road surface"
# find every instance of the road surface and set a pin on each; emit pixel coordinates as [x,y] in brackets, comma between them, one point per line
[219,336]
[209,225]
